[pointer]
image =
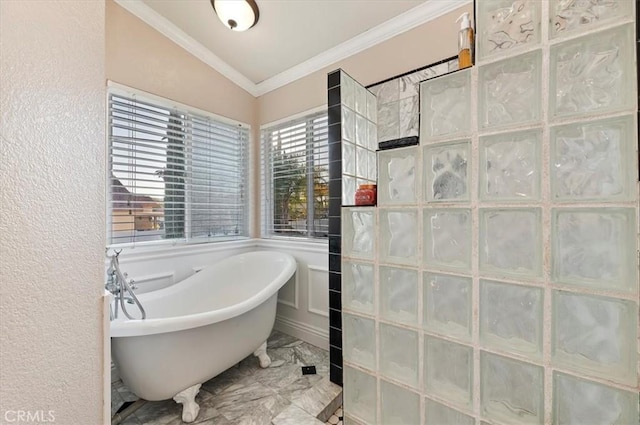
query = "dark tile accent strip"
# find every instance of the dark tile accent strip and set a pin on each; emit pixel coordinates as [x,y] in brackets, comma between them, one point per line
[335,169]
[335,281]
[334,225]
[335,188]
[335,318]
[333,78]
[335,355]
[334,96]
[398,143]
[335,337]
[334,133]
[335,245]
[334,115]
[335,300]
[335,374]
[335,153]
[335,261]
[334,101]
[334,205]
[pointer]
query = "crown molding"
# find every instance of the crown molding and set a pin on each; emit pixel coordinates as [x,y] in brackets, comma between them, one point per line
[182,39]
[410,19]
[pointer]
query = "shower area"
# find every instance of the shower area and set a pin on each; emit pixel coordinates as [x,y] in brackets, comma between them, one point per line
[496,279]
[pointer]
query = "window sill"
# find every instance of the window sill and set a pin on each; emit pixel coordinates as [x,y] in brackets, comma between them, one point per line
[141,252]
[320,246]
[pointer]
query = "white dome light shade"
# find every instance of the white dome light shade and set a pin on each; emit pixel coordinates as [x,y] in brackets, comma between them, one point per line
[238,15]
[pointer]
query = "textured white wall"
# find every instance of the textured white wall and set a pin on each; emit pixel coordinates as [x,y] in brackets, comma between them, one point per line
[52,203]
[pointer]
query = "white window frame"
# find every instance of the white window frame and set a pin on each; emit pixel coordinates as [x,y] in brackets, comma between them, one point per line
[114,88]
[267,195]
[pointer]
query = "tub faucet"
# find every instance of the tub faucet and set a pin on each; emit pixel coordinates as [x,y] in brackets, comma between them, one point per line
[118,285]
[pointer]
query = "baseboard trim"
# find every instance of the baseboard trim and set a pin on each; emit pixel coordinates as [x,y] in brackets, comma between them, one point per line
[308,333]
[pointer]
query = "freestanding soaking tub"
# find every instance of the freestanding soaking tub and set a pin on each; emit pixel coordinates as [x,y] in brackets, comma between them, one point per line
[200,327]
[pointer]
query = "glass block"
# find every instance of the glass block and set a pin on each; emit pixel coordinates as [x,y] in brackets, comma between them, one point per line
[359,340]
[506,25]
[446,172]
[399,406]
[410,83]
[357,286]
[595,248]
[372,166]
[447,305]
[510,168]
[372,107]
[348,190]
[347,91]
[446,106]
[594,73]
[595,336]
[447,238]
[348,125]
[399,354]
[593,160]
[511,241]
[372,136]
[510,391]
[569,16]
[388,121]
[360,395]
[448,371]
[511,318]
[361,100]
[509,91]
[362,127]
[387,92]
[409,116]
[358,232]
[362,164]
[348,158]
[439,414]
[399,295]
[453,65]
[397,183]
[580,402]
[399,230]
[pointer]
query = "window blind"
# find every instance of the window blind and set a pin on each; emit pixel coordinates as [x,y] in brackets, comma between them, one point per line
[174,174]
[295,178]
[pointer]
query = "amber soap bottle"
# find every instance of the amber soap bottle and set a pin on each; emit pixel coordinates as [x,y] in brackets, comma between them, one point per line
[465,42]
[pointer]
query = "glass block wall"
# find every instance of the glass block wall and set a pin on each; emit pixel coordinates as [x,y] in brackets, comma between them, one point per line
[359,137]
[398,100]
[352,134]
[496,282]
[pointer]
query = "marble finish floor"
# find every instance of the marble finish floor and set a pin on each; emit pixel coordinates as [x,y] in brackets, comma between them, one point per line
[248,394]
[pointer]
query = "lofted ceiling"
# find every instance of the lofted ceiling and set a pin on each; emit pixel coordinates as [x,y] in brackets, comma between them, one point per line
[292,37]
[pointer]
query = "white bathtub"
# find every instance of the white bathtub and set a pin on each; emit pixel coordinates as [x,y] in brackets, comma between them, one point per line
[201,326]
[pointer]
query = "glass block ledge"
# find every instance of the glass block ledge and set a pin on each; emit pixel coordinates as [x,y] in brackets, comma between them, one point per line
[398,143]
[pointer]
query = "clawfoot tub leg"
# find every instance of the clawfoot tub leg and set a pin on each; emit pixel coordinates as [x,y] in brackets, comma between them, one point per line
[187,398]
[261,353]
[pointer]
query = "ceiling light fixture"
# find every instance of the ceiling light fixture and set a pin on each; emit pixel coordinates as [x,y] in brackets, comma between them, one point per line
[238,15]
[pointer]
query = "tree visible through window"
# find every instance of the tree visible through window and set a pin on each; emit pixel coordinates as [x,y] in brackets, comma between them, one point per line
[296,177]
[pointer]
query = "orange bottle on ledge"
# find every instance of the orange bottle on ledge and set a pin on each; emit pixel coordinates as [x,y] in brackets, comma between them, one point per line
[366,194]
[465,42]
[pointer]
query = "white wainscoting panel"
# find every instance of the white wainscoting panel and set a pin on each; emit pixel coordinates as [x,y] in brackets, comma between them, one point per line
[288,294]
[318,291]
